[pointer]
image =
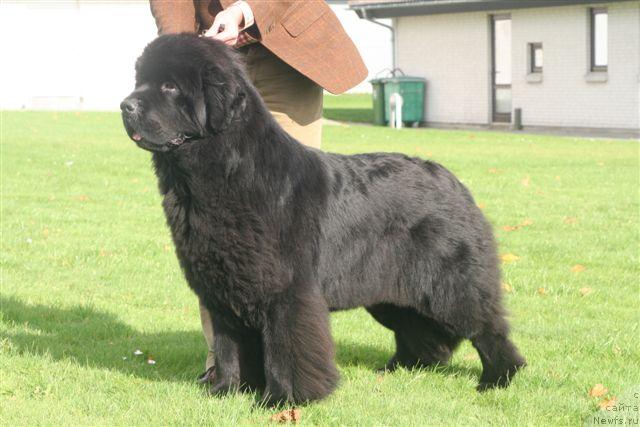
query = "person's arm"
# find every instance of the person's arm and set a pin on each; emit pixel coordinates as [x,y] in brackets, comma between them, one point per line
[174,16]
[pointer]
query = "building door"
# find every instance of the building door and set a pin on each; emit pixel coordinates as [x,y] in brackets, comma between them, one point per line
[501,67]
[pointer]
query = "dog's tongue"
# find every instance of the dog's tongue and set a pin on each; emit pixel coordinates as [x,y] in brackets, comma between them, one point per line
[136,137]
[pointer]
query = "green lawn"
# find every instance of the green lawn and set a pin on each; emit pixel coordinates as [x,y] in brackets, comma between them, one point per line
[89,276]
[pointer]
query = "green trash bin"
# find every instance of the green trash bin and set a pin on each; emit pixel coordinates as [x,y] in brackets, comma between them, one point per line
[412,91]
[378,102]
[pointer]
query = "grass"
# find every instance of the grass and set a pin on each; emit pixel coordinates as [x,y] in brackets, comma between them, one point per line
[349,108]
[89,276]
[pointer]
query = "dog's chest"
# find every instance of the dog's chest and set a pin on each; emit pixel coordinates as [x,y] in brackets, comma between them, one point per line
[226,258]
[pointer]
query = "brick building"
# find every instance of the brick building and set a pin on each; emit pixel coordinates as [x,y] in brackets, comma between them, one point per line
[564,63]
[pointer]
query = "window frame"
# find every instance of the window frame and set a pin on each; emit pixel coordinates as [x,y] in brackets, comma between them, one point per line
[533,67]
[592,16]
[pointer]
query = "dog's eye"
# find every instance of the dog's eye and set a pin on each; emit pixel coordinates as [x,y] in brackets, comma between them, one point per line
[168,87]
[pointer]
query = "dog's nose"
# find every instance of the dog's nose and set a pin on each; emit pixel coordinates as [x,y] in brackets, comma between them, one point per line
[130,105]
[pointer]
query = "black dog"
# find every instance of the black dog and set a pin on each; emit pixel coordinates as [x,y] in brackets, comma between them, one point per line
[272,235]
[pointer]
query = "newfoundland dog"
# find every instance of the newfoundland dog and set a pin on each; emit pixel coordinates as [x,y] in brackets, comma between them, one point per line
[273,235]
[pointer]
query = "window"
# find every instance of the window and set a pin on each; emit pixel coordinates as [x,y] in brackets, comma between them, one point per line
[599,49]
[536,57]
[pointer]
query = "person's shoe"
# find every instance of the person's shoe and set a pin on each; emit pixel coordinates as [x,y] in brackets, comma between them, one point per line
[207,376]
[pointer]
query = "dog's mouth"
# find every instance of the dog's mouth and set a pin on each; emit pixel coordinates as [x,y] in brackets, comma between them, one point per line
[173,143]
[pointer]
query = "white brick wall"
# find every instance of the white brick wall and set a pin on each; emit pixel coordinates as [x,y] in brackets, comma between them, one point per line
[565,97]
[452,51]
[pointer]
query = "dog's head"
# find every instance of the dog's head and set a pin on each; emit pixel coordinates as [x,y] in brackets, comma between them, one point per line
[187,87]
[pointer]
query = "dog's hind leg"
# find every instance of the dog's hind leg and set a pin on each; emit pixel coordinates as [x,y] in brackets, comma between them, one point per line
[420,341]
[500,357]
[298,350]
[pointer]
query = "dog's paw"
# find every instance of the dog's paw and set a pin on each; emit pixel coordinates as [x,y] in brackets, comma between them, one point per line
[220,388]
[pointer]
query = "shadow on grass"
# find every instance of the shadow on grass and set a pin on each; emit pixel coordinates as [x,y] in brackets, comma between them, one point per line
[96,339]
[357,115]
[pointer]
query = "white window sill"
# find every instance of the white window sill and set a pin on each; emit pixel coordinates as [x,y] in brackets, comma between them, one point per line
[596,77]
[534,78]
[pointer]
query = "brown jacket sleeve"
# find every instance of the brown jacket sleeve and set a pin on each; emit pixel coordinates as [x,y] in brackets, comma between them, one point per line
[174,16]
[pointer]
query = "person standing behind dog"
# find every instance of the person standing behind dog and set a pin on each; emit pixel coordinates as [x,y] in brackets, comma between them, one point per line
[293,50]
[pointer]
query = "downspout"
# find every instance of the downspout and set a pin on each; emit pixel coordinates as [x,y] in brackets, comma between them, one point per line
[363,15]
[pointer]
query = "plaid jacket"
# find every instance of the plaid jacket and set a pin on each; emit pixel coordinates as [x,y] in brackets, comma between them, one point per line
[305,34]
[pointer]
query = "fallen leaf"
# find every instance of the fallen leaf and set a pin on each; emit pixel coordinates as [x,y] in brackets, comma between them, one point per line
[83,198]
[527,222]
[585,291]
[482,205]
[428,154]
[166,247]
[598,390]
[570,220]
[607,403]
[286,416]
[509,227]
[526,181]
[506,258]
[471,357]
[380,378]
[493,170]
[506,287]
[103,253]
[578,268]
[542,291]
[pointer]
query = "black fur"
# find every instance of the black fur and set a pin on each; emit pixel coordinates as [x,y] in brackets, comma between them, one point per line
[272,235]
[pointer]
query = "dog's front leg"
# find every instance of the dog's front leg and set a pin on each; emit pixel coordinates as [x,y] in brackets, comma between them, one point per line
[227,353]
[298,350]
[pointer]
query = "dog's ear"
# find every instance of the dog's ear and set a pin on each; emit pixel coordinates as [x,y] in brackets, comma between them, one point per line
[224,99]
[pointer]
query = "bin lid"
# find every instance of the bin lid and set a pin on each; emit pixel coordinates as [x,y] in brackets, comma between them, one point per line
[398,79]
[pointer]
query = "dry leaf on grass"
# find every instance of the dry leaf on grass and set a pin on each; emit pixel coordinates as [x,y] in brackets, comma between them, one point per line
[166,247]
[578,268]
[542,291]
[481,205]
[287,416]
[83,198]
[598,390]
[526,181]
[506,287]
[506,258]
[493,170]
[585,291]
[527,222]
[570,220]
[471,357]
[607,403]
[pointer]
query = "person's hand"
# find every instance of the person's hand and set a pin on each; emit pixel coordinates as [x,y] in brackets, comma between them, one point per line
[229,21]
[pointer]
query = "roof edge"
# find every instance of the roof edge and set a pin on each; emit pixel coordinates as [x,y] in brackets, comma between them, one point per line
[394,9]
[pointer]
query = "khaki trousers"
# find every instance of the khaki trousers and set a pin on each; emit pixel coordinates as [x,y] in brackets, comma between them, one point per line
[296,104]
